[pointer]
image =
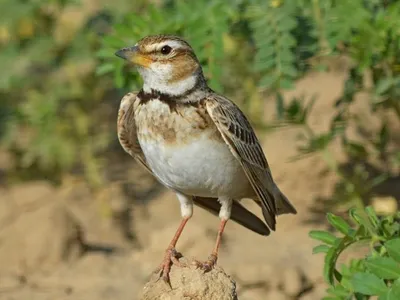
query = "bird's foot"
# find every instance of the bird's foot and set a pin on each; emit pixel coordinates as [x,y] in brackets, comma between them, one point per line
[208,265]
[171,257]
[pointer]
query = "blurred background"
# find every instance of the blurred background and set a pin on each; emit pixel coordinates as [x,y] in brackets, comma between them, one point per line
[79,219]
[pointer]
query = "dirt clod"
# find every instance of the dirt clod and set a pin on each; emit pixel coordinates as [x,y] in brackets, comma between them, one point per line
[191,283]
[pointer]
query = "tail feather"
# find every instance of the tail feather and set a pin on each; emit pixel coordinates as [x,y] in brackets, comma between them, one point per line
[283,205]
[239,214]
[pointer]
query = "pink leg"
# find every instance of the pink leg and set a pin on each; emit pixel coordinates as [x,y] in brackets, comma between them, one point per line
[171,255]
[212,260]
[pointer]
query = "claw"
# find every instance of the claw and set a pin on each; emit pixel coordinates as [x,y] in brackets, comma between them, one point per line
[208,265]
[171,257]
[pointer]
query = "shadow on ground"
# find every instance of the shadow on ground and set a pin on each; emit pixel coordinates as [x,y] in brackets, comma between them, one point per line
[390,187]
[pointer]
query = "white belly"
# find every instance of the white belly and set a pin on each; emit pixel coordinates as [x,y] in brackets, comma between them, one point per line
[202,167]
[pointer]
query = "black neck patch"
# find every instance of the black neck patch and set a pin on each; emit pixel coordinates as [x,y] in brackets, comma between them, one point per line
[171,100]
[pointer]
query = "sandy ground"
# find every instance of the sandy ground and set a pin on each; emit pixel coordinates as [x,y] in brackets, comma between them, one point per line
[60,243]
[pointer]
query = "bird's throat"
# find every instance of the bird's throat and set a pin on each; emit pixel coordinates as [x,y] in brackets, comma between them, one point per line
[191,89]
[175,88]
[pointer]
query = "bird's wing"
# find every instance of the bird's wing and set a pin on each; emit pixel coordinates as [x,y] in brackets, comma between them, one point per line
[239,214]
[127,129]
[244,145]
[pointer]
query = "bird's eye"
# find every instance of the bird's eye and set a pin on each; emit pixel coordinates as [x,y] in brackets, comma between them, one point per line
[166,50]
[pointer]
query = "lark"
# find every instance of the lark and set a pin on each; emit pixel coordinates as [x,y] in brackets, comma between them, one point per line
[197,143]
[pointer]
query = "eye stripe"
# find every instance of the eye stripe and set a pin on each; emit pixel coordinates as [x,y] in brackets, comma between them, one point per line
[152,46]
[177,52]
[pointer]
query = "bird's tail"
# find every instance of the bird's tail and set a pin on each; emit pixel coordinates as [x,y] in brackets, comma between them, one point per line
[283,205]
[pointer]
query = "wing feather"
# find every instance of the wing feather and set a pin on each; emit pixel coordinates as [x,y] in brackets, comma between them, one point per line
[126,127]
[244,145]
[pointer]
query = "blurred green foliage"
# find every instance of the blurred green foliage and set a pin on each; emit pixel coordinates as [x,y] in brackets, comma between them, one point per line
[51,100]
[370,36]
[59,70]
[48,88]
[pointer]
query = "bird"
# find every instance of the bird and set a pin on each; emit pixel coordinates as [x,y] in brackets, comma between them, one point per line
[195,142]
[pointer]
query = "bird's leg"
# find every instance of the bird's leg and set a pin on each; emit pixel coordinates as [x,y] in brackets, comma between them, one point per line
[212,259]
[171,255]
[224,214]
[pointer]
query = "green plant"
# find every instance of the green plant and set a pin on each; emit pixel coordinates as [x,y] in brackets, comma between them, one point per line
[370,38]
[377,274]
[272,23]
[49,94]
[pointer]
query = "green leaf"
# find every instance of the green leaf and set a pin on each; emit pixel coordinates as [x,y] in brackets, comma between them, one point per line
[339,223]
[389,228]
[294,110]
[368,284]
[393,248]
[383,85]
[268,81]
[346,282]
[337,275]
[372,216]
[286,84]
[357,218]
[272,31]
[383,267]
[356,150]
[320,142]
[321,249]
[323,236]
[332,256]
[339,291]
[280,106]
[378,180]
[384,137]
[395,290]
[393,293]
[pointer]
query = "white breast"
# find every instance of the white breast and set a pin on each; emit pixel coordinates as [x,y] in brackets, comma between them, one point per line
[200,166]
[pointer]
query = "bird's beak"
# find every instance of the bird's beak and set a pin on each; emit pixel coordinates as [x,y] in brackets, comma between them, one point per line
[133,55]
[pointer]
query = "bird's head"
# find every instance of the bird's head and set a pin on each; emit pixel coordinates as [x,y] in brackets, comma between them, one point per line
[166,63]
